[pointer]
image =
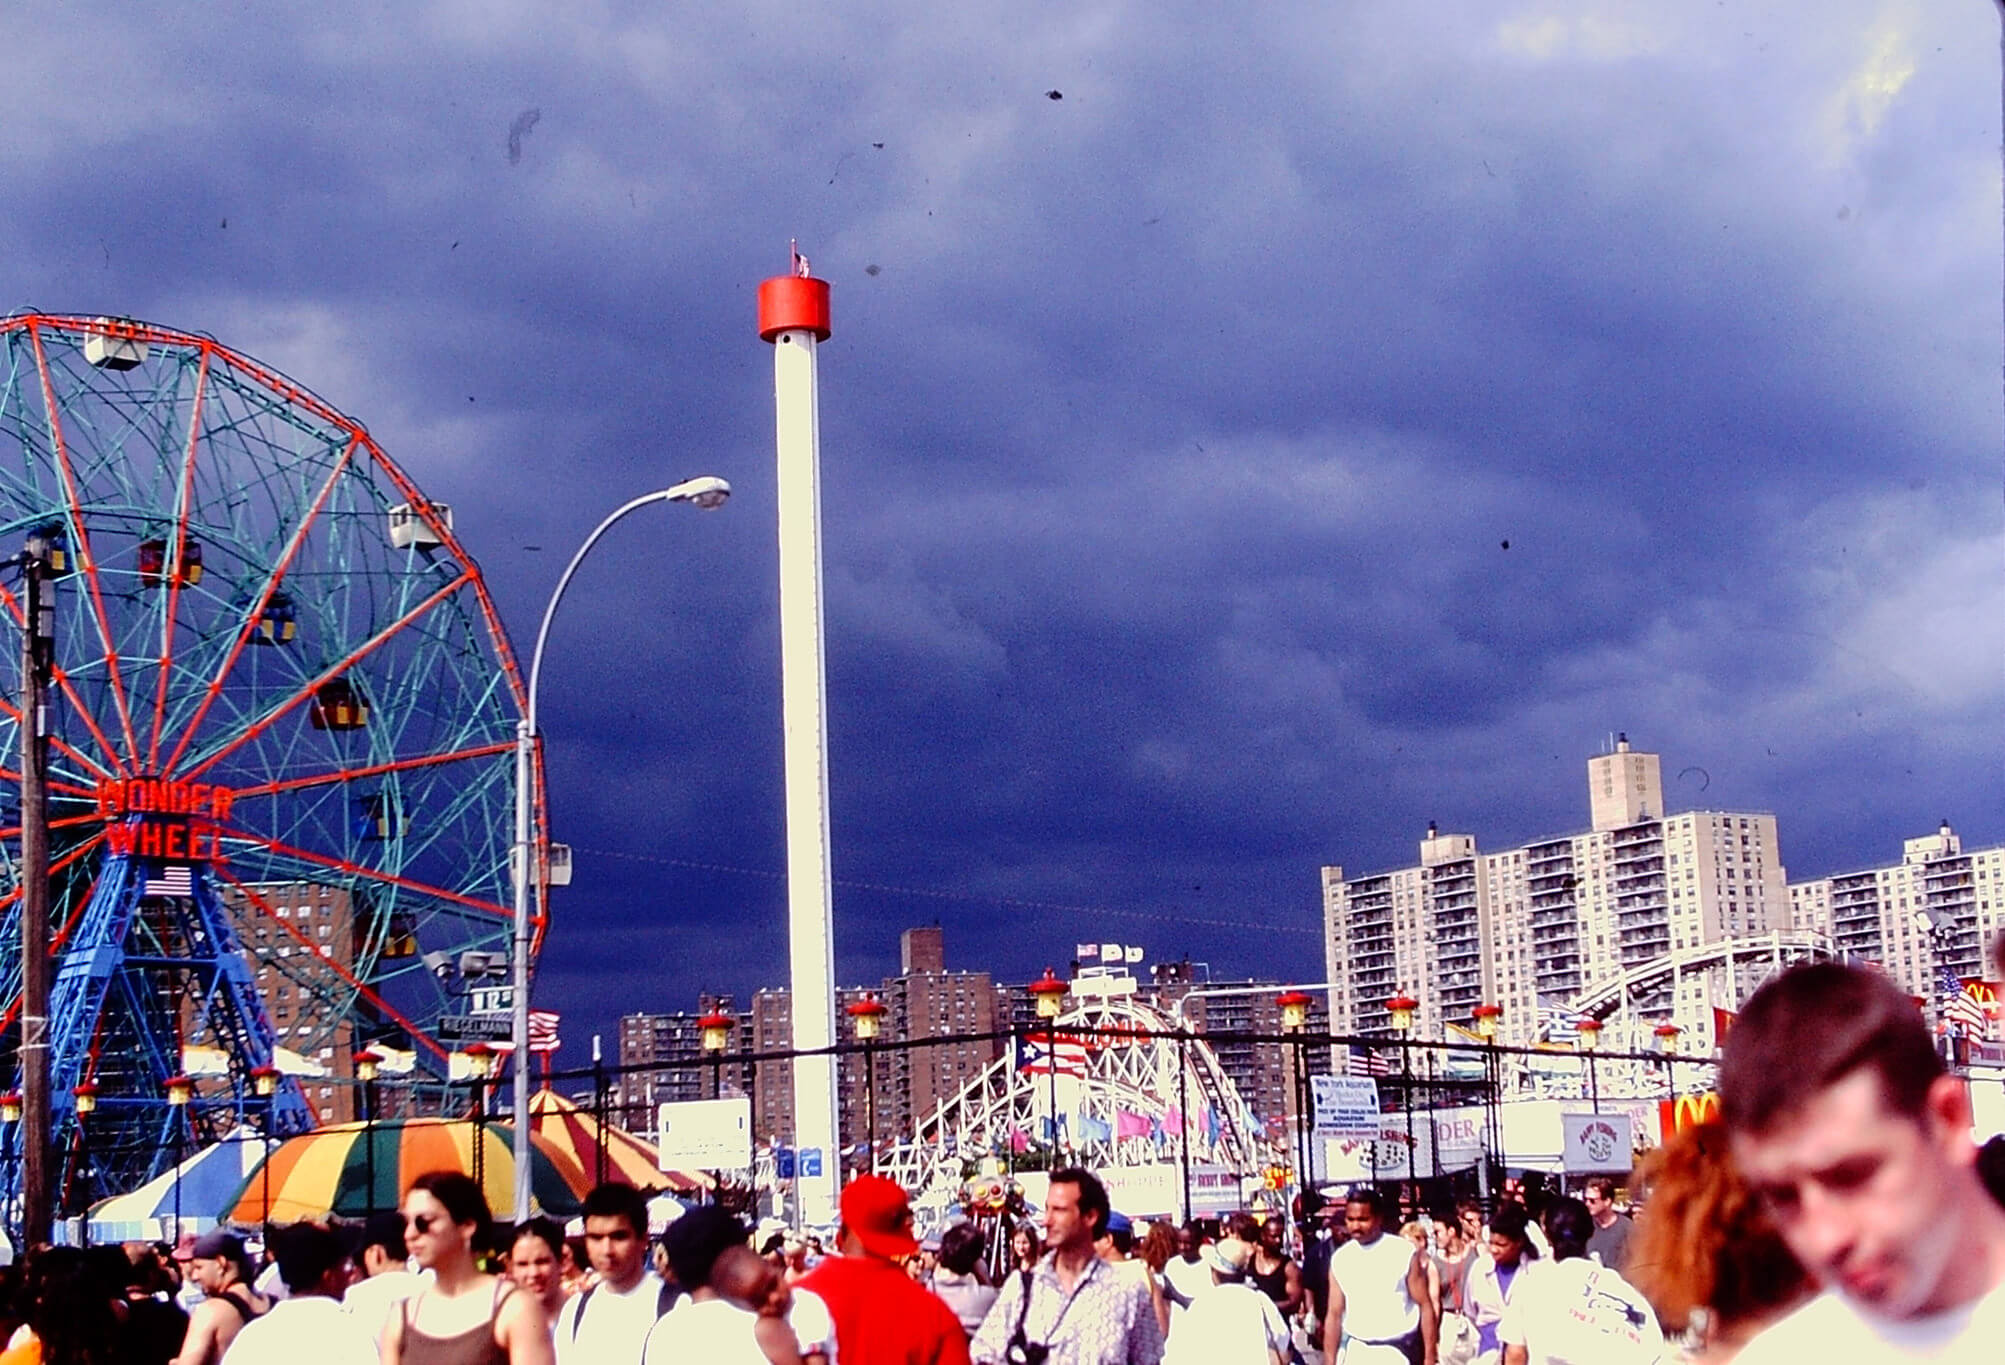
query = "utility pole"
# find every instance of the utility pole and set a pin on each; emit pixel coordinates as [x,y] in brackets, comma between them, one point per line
[37,657]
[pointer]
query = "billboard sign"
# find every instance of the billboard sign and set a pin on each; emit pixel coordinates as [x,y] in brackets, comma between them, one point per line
[711,1135]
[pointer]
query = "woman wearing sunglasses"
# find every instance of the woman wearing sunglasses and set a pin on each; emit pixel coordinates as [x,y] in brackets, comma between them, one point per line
[464,1317]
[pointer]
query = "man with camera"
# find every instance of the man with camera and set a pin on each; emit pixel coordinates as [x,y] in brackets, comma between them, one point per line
[1073,1308]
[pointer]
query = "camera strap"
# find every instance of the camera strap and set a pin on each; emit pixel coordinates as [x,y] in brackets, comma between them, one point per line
[1023,1308]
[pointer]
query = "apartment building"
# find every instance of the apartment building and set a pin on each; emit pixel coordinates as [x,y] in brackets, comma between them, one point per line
[672,1044]
[1940,907]
[924,1001]
[1540,923]
[299,939]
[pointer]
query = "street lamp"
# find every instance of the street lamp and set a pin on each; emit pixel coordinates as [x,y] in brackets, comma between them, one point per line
[1400,1010]
[10,1115]
[264,1084]
[84,1097]
[1667,1047]
[365,1064]
[180,1091]
[1589,1033]
[1049,993]
[716,1030]
[866,1016]
[1487,1018]
[1294,1019]
[479,1066]
[706,492]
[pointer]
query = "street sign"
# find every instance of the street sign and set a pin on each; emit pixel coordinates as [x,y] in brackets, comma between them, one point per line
[810,1162]
[490,1028]
[1346,1106]
[490,1000]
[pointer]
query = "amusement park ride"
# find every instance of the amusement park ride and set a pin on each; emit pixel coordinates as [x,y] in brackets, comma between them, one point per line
[271,671]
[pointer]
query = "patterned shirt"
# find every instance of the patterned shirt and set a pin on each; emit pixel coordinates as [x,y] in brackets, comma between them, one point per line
[1107,1319]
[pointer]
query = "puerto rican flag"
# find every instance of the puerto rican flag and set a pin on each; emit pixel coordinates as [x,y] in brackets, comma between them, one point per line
[1034,1056]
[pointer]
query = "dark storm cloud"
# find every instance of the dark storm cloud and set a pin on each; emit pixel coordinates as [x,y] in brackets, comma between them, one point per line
[1171,450]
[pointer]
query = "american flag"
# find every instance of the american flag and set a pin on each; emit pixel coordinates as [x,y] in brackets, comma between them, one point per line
[172,881]
[1962,1009]
[542,1034]
[543,1030]
[1034,1056]
[1368,1062]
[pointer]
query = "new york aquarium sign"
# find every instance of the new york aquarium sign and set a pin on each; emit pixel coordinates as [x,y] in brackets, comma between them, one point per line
[150,817]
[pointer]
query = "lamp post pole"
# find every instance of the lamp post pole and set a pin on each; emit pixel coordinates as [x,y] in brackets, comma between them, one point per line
[866,1016]
[1667,1047]
[264,1084]
[180,1091]
[1400,1008]
[1487,1018]
[1294,1018]
[1589,1033]
[39,562]
[1049,992]
[715,1028]
[479,1066]
[703,492]
[84,1098]
[10,1115]
[365,1063]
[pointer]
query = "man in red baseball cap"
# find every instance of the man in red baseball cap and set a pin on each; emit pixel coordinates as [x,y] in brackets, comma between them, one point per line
[881,1316]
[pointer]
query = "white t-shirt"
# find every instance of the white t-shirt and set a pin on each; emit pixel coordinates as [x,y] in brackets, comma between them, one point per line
[1578,1312]
[1831,1327]
[1378,1307]
[1228,1324]
[812,1324]
[614,1328]
[715,1332]
[371,1302]
[1188,1278]
[308,1331]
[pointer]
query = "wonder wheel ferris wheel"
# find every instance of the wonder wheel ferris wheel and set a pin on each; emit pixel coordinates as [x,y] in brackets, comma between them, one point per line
[280,734]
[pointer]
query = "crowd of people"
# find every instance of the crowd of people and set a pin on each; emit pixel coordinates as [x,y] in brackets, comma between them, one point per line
[1837,1210]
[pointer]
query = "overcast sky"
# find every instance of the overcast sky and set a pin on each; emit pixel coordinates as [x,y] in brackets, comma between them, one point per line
[1248,435]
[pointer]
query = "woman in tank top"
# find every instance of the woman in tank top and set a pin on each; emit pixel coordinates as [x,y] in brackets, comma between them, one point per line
[464,1317]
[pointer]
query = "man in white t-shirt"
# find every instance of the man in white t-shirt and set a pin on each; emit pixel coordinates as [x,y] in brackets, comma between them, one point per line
[386,1279]
[1229,1322]
[608,1324]
[1378,1292]
[307,1327]
[706,1326]
[1573,1310]
[1846,1126]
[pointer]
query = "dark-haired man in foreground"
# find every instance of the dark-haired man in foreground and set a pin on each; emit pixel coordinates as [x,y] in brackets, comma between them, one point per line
[1847,1127]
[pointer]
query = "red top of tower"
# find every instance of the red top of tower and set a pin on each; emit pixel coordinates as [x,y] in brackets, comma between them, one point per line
[795,301]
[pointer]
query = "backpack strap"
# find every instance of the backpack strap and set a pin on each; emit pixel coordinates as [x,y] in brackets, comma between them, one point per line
[670,1295]
[578,1318]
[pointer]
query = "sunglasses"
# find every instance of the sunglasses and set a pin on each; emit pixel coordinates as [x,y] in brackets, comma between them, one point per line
[421,1223]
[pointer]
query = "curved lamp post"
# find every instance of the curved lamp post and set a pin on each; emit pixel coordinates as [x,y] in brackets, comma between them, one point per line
[705,492]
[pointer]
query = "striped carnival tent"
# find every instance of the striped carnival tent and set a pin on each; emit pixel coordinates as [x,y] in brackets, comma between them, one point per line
[189,1197]
[605,1150]
[354,1169]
